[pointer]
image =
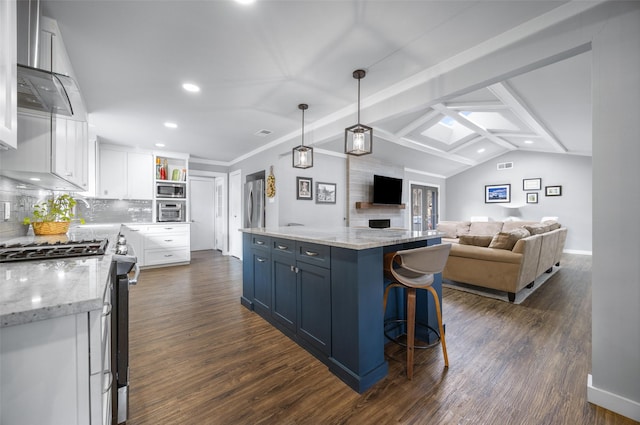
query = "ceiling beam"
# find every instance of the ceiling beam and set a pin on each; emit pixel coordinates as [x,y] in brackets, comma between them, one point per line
[472,126]
[417,123]
[466,144]
[509,97]
[491,105]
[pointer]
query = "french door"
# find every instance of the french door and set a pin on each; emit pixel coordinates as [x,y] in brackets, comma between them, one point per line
[424,207]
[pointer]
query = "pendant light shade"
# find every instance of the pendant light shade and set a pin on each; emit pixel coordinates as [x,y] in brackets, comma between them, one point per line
[302,155]
[358,139]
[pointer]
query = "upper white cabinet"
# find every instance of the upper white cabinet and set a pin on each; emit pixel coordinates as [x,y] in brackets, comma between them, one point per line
[8,75]
[125,175]
[52,153]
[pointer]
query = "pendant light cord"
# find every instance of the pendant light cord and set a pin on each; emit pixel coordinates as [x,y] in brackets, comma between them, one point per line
[358,101]
[303,128]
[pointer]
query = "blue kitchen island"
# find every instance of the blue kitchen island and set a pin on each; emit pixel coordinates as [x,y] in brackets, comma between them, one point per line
[324,287]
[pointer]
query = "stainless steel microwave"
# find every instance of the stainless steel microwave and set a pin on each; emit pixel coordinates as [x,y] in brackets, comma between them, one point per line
[171,190]
[171,211]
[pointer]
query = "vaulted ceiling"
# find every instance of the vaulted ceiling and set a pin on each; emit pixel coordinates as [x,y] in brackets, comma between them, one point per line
[256,63]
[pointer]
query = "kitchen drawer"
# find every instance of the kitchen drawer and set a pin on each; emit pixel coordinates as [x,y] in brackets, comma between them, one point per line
[167,256]
[167,228]
[260,242]
[284,246]
[312,253]
[166,241]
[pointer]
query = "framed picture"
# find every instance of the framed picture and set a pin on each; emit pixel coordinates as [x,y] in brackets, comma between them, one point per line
[498,193]
[304,187]
[531,184]
[553,190]
[532,198]
[325,193]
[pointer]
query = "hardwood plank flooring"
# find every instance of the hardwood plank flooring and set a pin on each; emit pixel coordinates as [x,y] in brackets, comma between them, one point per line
[199,357]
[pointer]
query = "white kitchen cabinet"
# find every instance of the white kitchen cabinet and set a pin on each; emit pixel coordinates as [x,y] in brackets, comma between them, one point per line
[125,175]
[8,76]
[50,361]
[166,244]
[135,237]
[71,151]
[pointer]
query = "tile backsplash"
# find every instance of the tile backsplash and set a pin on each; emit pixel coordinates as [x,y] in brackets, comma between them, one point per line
[21,200]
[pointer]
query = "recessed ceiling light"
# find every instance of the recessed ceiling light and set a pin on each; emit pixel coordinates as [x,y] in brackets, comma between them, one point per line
[170,125]
[481,150]
[245,1]
[34,179]
[160,145]
[190,87]
[528,142]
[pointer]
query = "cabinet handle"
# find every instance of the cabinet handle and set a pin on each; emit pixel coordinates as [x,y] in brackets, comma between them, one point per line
[106,312]
[168,228]
[134,230]
[261,260]
[282,247]
[259,242]
[107,372]
[311,253]
[168,240]
[168,255]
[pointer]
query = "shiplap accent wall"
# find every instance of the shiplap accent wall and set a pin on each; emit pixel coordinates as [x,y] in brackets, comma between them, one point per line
[360,171]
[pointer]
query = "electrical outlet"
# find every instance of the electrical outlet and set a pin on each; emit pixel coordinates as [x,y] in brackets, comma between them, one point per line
[7,211]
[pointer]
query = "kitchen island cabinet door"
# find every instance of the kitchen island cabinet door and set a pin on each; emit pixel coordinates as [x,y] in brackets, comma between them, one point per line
[314,306]
[261,282]
[284,308]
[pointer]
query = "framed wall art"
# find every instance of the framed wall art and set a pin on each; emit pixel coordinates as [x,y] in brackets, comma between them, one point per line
[325,193]
[498,193]
[532,198]
[553,190]
[304,186]
[532,184]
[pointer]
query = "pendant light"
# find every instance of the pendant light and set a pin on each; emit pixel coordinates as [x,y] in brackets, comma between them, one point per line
[302,155]
[358,139]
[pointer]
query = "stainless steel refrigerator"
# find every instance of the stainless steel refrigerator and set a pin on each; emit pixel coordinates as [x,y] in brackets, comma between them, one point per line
[254,203]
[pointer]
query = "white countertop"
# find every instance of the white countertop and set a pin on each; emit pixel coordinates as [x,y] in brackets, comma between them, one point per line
[346,237]
[43,289]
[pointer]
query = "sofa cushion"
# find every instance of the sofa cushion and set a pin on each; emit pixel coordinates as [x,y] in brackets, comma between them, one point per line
[537,229]
[507,240]
[448,228]
[475,240]
[453,229]
[551,224]
[485,228]
[512,225]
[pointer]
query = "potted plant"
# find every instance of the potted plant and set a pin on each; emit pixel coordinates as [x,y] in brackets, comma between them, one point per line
[52,217]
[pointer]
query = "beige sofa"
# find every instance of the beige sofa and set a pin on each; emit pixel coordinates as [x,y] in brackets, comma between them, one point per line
[506,256]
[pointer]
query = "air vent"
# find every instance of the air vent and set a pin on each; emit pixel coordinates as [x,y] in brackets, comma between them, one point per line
[505,165]
[263,133]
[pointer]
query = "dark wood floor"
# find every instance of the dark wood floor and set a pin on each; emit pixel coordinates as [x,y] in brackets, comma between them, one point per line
[198,357]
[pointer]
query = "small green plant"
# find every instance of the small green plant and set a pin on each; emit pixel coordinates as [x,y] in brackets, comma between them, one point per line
[58,208]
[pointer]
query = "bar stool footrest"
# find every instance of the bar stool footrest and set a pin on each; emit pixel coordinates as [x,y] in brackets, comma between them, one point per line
[396,323]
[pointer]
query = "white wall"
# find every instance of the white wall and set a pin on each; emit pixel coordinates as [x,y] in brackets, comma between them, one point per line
[615,374]
[466,192]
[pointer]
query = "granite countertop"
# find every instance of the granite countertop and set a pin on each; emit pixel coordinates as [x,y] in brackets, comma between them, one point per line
[346,237]
[43,289]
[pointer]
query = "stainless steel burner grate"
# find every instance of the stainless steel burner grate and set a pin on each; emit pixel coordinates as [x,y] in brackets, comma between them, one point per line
[46,250]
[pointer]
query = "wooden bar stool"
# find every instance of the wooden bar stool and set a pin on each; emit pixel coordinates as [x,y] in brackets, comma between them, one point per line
[415,269]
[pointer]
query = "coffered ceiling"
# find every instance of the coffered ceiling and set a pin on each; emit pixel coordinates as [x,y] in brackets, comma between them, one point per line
[256,63]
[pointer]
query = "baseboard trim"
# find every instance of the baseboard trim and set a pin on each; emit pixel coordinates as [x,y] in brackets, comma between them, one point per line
[613,402]
[577,251]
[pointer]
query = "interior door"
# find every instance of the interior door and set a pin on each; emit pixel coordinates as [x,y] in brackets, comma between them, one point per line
[424,207]
[235,214]
[219,214]
[202,197]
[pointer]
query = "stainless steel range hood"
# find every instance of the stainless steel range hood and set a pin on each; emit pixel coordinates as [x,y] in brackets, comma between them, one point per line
[39,88]
[45,91]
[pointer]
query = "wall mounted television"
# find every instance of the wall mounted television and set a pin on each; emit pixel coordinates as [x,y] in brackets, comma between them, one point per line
[387,190]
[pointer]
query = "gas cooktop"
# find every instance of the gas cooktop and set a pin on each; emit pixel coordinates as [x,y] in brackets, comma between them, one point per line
[48,250]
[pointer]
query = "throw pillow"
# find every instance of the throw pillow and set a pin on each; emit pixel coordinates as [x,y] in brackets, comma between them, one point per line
[485,228]
[475,240]
[507,240]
